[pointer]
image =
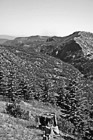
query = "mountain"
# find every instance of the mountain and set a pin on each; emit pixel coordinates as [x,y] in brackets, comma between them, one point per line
[31,40]
[33,76]
[4,38]
[7,37]
[75,49]
[38,69]
[2,41]
[54,71]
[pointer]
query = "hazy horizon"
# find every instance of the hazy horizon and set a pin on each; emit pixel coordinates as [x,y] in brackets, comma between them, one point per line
[45,17]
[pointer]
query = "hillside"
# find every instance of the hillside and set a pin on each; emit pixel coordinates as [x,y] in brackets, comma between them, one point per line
[31,41]
[18,129]
[2,40]
[36,70]
[75,49]
[53,71]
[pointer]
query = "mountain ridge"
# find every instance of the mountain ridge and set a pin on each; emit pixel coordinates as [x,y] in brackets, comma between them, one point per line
[70,49]
[7,37]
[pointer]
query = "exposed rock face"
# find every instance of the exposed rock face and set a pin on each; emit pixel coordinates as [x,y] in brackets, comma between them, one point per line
[76,49]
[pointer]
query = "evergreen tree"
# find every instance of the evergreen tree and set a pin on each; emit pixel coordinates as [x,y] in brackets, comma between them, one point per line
[3,84]
[75,108]
[11,87]
[42,91]
[23,91]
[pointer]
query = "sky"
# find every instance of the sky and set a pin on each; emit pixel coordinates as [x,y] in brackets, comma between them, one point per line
[45,17]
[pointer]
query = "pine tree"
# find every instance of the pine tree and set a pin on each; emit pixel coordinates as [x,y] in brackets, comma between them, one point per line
[3,84]
[11,87]
[23,91]
[42,91]
[77,109]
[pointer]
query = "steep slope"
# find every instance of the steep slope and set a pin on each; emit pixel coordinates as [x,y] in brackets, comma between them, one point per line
[41,72]
[76,49]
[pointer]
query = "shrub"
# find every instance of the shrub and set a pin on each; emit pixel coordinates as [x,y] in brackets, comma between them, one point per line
[15,110]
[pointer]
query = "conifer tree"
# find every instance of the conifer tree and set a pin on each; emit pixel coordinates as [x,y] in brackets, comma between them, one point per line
[23,91]
[73,106]
[11,86]
[3,84]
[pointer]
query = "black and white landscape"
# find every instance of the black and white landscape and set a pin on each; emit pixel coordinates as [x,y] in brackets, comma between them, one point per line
[50,74]
[46,70]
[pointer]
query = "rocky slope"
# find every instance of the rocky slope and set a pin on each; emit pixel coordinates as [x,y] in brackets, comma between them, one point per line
[76,49]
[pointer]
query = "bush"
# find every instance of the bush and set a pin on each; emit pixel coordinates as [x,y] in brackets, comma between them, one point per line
[15,110]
